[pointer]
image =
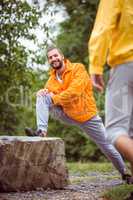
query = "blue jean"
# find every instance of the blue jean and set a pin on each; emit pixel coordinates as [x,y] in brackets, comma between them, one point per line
[93,128]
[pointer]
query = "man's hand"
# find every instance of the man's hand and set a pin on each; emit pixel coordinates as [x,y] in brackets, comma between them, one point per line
[42,92]
[98,82]
[51,94]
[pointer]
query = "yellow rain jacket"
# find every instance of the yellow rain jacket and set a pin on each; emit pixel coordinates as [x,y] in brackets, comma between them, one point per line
[75,93]
[112,35]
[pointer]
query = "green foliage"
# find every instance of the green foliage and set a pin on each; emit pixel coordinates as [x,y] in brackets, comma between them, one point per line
[27,112]
[75,31]
[17,18]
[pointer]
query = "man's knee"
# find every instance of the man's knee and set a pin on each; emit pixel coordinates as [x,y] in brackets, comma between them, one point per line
[46,98]
[122,140]
[124,144]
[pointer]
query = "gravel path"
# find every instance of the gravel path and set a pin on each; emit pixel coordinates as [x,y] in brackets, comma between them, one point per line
[89,187]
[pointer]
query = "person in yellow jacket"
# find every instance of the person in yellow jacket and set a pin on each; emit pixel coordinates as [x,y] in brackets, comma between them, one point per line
[112,41]
[68,96]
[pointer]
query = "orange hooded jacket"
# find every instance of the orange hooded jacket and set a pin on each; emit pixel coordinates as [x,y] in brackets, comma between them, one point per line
[75,93]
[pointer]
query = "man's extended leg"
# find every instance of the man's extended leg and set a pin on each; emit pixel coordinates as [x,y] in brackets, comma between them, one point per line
[95,129]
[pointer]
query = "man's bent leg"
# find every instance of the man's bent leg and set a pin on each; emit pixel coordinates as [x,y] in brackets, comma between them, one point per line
[43,104]
[44,107]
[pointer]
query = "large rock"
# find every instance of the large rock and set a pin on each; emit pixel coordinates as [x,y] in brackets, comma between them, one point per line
[28,163]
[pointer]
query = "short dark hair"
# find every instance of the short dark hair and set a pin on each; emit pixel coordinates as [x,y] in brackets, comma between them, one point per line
[50,48]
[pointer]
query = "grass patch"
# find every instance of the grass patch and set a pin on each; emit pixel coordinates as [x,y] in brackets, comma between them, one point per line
[74,180]
[121,192]
[84,168]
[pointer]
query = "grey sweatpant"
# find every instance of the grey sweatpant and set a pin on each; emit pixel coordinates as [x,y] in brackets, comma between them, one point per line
[119,102]
[93,128]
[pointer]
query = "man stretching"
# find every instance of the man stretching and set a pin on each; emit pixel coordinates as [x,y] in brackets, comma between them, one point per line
[68,96]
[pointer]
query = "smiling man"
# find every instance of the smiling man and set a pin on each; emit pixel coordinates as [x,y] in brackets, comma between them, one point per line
[68,96]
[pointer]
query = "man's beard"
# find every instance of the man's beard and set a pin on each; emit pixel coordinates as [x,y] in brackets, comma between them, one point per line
[59,65]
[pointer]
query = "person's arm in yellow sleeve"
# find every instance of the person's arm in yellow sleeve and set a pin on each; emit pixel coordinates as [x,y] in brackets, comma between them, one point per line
[75,89]
[106,19]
